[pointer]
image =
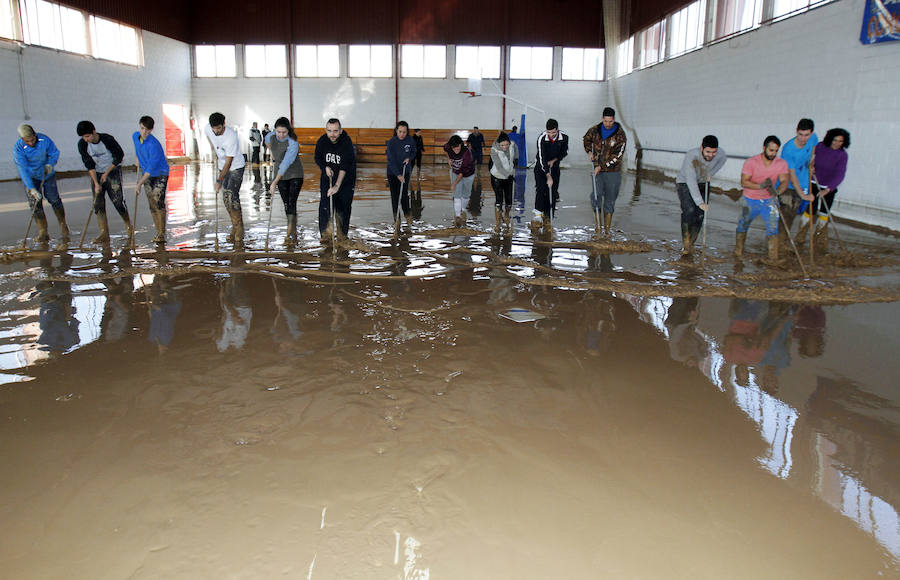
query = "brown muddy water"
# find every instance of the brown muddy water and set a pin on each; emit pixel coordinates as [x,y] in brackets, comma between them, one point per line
[368,412]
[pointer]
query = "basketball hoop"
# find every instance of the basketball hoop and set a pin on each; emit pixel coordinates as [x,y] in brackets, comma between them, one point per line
[470,93]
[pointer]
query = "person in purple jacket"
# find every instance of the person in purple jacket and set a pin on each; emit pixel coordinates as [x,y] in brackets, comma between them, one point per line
[829,168]
[462,174]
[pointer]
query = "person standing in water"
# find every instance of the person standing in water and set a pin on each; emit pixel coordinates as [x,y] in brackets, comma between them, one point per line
[502,178]
[420,151]
[605,143]
[285,150]
[224,141]
[761,175]
[35,155]
[401,153]
[692,187]
[154,174]
[336,158]
[102,154]
[552,147]
[462,174]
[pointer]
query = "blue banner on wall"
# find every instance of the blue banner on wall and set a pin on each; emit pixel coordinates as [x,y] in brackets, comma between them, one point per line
[881,21]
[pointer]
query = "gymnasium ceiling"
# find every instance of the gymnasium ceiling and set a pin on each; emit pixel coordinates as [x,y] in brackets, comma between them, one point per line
[494,22]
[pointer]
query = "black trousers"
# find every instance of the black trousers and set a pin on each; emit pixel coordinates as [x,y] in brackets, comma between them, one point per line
[396,187]
[691,214]
[542,192]
[290,191]
[503,191]
[343,203]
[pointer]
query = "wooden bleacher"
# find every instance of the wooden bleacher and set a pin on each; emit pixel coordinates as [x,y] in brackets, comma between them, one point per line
[370,143]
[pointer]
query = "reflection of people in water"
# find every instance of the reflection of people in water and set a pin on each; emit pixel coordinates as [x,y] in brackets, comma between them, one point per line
[237,313]
[758,337]
[809,331]
[117,309]
[601,324]
[686,344]
[286,326]
[59,327]
[165,306]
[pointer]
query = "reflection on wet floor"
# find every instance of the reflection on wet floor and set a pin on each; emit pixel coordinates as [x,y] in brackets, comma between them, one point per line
[367,412]
[246,406]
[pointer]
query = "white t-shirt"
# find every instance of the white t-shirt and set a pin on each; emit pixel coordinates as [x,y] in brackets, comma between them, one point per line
[227,145]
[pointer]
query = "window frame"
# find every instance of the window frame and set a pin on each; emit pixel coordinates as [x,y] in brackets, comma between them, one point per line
[601,60]
[369,47]
[480,64]
[265,48]
[531,63]
[424,47]
[296,72]
[215,48]
[139,51]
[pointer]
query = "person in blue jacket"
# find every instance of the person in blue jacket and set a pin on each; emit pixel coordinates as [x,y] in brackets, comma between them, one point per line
[36,155]
[154,174]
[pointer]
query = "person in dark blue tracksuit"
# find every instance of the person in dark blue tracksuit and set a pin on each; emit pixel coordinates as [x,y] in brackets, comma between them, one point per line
[552,147]
[401,154]
[336,158]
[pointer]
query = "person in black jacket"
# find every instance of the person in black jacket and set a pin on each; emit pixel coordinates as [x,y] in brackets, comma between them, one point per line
[102,154]
[552,147]
[336,158]
[420,150]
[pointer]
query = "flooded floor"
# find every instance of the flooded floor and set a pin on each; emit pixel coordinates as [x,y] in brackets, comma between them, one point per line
[373,412]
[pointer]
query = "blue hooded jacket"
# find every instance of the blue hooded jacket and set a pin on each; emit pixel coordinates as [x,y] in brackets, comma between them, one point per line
[31,160]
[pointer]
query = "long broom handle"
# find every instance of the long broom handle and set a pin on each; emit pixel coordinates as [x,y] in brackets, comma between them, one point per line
[87,222]
[784,224]
[33,210]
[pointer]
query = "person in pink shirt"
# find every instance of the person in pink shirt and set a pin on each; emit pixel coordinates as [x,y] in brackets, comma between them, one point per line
[761,176]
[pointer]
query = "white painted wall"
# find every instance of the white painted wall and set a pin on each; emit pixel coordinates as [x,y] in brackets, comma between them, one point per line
[762,82]
[62,88]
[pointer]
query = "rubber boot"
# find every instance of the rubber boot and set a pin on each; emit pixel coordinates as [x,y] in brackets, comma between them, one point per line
[41,223]
[686,244]
[597,227]
[63,226]
[159,220]
[341,236]
[498,216]
[547,223]
[462,218]
[129,228]
[103,226]
[237,227]
[507,218]
[291,238]
[772,242]
[740,240]
[607,223]
[821,238]
[802,232]
[326,236]
[409,220]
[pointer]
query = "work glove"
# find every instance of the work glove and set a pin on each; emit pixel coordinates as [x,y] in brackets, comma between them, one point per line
[766,184]
[48,169]
[35,194]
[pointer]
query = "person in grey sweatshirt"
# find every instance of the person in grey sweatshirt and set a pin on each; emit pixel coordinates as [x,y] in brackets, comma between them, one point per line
[699,165]
[502,177]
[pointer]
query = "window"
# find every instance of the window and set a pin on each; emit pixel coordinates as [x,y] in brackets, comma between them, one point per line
[370,61]
[478,62]
[54,26]
[423,61]
[686,28]
[531,62]
[114,41]
[214,60]
[782,8]
[653,40]
[582,64]
[7,20]
[625,57]
[265,60]
[734,16]
[318,60]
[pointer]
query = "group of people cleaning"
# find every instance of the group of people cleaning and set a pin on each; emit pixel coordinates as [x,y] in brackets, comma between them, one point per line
[802,181]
